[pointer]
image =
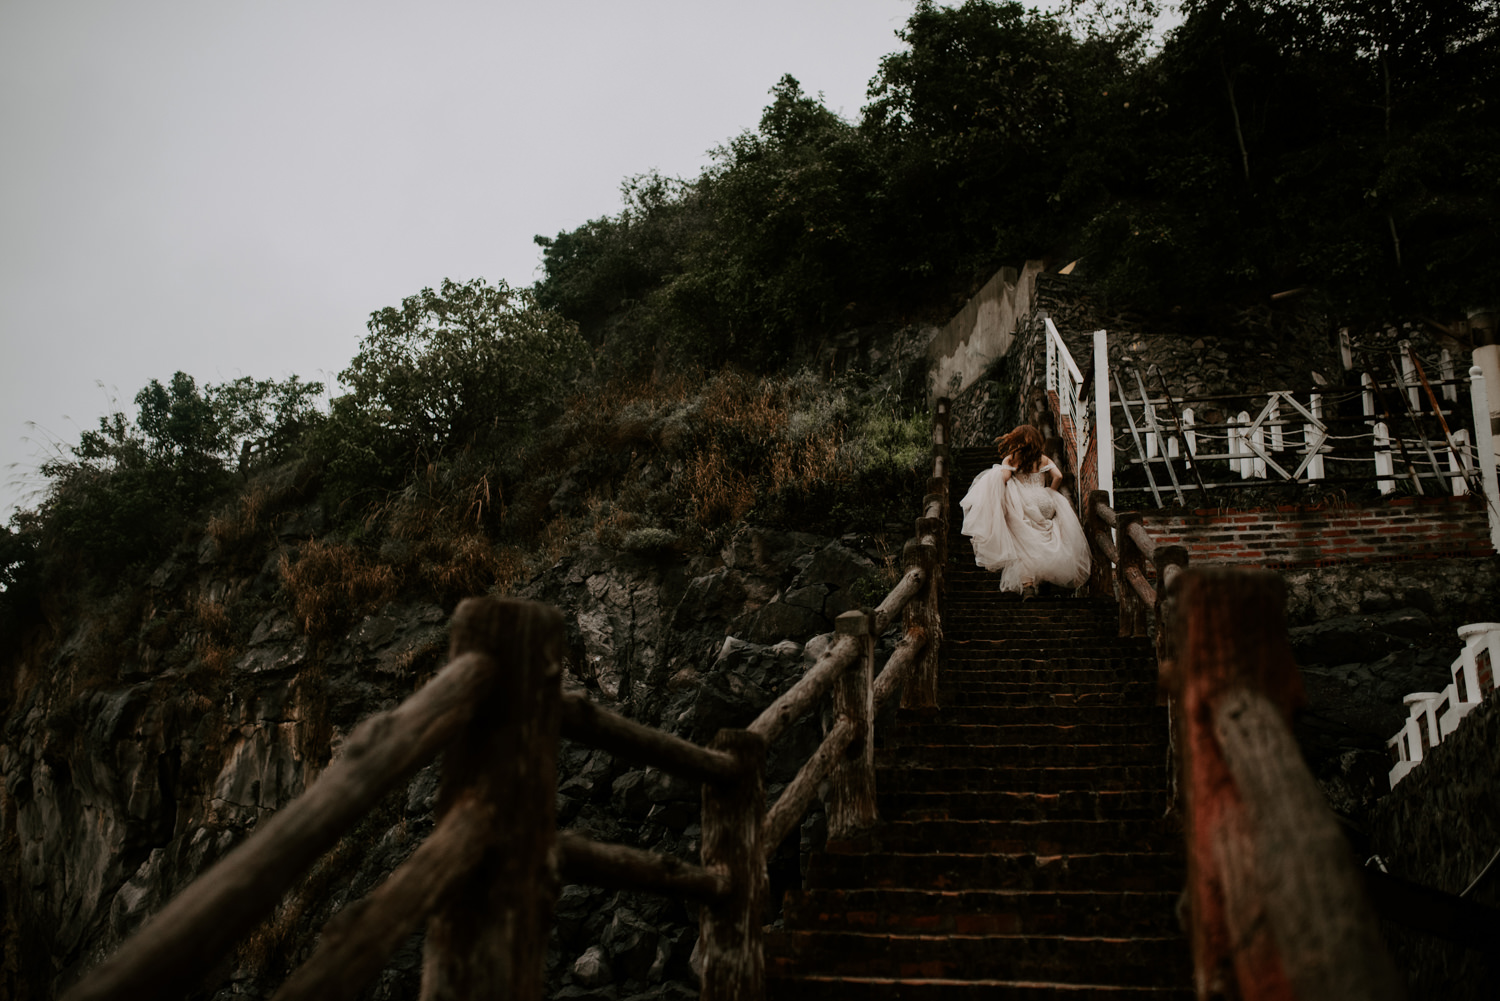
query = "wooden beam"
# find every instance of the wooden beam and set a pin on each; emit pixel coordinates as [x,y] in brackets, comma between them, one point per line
[794,800]
[174,948]
[729,929]
[620,867]
[361,938]
[907,588]
[898,669]
[597,727]
[1277,905]
[809,690]
[488,936]
[851,784]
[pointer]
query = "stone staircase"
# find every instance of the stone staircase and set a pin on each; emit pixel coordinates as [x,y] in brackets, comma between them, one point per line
[1023,850]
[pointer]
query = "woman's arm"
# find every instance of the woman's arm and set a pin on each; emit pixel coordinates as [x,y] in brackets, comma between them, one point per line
[1006,469]
[1057,476]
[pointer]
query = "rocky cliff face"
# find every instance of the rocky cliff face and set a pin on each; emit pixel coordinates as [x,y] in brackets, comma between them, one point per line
[151,736]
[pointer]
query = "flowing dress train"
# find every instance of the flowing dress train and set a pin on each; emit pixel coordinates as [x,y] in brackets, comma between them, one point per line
[1024,529]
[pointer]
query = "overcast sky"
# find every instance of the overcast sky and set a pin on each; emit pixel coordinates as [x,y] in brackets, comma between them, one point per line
[231,189]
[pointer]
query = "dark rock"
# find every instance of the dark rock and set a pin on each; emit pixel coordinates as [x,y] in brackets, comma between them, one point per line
[631,944]
[778,620]
[592,969]
[628,796]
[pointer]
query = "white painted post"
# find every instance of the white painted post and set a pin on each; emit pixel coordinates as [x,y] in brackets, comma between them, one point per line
[1150,435]
[1190,437]
[1310,435]
[1445,370]
[1384,465]
[1259,466]
[1277,443]
[1346,350]
[1247,466]
[1409,377]
[1103,426]
[1485,441]
[1460,463]
[1368,396]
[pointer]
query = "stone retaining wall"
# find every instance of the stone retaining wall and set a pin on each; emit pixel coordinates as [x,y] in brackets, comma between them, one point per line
[1438,828]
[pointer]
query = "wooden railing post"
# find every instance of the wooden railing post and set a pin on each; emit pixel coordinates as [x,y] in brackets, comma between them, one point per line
[1132,608]
[729,930]
[922,614]
[1101,581]
[1277,903]
[1170,561]
[488,936]
[851,785]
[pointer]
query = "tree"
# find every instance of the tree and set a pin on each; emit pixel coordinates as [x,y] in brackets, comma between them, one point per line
[447,369]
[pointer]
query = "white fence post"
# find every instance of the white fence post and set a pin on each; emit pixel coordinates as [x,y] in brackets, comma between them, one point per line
[1385,466]
[1485,442]
[1104,432]
[1313,438]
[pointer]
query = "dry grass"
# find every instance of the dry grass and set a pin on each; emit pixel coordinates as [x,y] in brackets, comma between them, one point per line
[332,583]
[243,518]
[212,647]
[718,492]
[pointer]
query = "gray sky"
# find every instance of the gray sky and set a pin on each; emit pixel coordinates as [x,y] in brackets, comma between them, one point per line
[231,189]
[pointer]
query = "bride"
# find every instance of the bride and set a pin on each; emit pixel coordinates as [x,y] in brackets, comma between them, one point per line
[1019,523]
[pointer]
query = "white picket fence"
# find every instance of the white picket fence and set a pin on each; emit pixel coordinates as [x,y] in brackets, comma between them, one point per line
[1435,715]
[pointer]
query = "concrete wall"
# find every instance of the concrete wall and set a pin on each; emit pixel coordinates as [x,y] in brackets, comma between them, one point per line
[983,330]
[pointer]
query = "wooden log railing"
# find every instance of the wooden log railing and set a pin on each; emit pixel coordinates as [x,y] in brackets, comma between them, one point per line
[1277,906]
[485,881]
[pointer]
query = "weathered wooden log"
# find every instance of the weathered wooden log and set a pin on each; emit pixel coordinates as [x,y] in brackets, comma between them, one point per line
[802,697]
[907,588]
[851,784]
[1142,539]
[620,867]
[488,936]
[1130,572]
[1141,586]
[1277,903]
[1170,561]
[174,948]
[1099,506]
[589,724]
[729,929]
[934,506]
[357,943]
[1101,547]
[792,804]
[922,616]
[898,669]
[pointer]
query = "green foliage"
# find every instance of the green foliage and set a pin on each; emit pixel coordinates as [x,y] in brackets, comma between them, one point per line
[127,486]
[1268,144]
[468,364]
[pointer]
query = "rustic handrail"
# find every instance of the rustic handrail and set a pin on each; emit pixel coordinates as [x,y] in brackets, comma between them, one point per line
[226,902]
[496,808]
[620,867]
[1276,901]
[597,727]
[1127,554]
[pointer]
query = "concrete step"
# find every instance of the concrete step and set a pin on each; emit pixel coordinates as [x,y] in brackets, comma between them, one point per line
[986,869]
[824,988]
[959,837]
[1135,961]
[896,775]
[984,912]
[1007,804]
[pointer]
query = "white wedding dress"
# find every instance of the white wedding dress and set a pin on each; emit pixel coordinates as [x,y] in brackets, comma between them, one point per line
[1024,529]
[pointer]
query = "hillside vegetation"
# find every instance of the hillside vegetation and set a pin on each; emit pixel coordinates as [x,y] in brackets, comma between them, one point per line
[676,367]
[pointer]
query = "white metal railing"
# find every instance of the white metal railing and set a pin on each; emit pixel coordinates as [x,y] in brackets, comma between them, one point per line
[1066,381]
[1435,715]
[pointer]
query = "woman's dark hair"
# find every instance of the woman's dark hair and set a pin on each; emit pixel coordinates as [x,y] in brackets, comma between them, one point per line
[1024,447]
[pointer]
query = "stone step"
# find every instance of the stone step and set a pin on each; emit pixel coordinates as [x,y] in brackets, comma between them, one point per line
[986,869]
[1001,696]
[984,912]
[824,988]
[1137,961]
[900,776]
[1010,804]
[1140,731]
[960,839]
[1051,715]
[1068,755]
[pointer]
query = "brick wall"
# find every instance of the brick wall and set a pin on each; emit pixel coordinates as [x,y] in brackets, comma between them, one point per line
[1288,536]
